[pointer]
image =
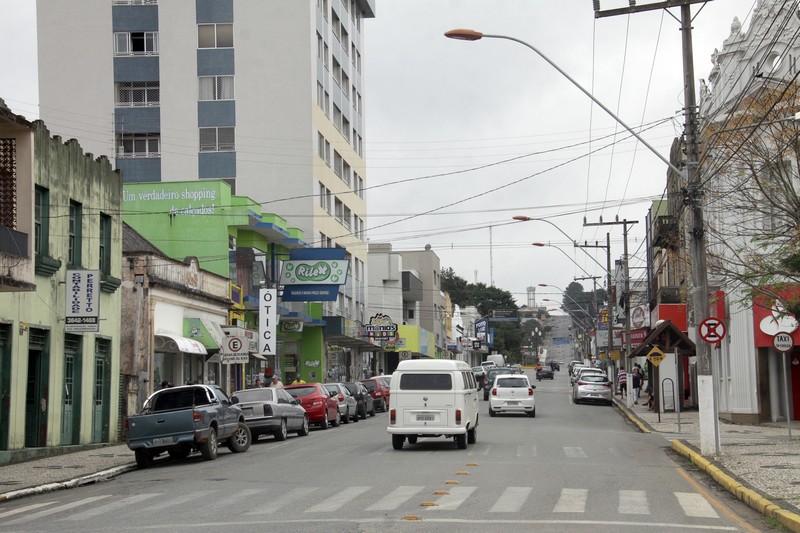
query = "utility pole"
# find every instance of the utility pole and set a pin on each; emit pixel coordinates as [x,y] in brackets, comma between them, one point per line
[594,306]
[709,424]
[626,296]
[610,311]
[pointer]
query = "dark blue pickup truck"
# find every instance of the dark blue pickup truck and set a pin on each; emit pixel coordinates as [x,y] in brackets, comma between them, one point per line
[178,420]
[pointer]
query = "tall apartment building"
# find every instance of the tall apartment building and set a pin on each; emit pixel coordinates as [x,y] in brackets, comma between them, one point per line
[265,94]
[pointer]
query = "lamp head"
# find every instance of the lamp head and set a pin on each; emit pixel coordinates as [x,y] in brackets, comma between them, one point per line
[540,244]
[523,218]
[463,35]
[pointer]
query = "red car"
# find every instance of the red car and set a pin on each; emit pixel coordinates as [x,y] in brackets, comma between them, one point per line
[379,390]
[321,407]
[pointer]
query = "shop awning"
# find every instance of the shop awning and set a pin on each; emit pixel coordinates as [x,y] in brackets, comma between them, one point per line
[170,342]
[205,331]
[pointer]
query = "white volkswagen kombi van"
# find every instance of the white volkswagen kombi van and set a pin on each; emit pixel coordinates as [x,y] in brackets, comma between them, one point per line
[433,398]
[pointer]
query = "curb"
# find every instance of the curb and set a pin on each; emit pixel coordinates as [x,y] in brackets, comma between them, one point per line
[638,422]
[77,482]
[747,495]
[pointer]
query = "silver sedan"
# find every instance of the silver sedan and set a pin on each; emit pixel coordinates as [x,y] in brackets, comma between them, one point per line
[274,411]
[592,387]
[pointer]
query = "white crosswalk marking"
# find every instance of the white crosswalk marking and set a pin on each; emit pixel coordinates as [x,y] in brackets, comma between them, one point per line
[695,505]
[54,510]
[338,500]
[571,501]
[526,451]
[195,496]
[633,502]
[395,499]
[271,505]
[574,452]
[124,503]
[25,509]
[451,501]
[512,500]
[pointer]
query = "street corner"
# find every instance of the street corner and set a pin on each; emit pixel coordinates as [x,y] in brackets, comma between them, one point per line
[746,494]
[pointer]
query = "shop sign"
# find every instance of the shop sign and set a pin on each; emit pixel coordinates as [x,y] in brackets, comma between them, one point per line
[315,272]
[267,321]
[83,301]
[381,326]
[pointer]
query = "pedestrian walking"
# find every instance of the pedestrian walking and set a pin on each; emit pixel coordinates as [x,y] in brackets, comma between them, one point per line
[622,379]
[636,385]
[276,382]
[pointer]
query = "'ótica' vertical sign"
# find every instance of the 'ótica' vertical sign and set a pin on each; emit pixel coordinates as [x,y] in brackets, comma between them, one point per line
[267,321]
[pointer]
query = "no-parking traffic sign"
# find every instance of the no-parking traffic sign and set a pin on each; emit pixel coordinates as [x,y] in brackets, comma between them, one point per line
[712,330]
[234,350]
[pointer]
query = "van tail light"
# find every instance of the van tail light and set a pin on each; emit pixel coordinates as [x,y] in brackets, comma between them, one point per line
[392,416]
[267,409]
[530,391]
[458,416]
[494,391]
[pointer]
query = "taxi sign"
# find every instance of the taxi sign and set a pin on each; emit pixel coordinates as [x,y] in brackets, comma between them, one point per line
[655,356]
[783,342]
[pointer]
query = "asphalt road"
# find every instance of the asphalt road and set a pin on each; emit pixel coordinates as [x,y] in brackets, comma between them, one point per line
[572,468]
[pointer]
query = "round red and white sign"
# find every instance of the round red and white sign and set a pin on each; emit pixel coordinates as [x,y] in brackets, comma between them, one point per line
[712,330]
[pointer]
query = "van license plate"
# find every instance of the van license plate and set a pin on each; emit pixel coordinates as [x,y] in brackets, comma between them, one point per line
[425,418]
[162,441]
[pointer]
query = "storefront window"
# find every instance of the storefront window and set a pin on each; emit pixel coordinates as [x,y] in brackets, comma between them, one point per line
[165,368]
[193,368]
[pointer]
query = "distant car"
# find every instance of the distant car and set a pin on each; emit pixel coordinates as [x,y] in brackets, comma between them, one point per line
[365,405]
[348,407]
[592,387]
[512,394]
[479,372]
[545,373]
[321,408]
[586,370]
[517,368]
[379,391]
[273,411]
[488,381]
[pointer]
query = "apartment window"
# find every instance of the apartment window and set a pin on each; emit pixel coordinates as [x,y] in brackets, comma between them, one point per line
[323,149]
[216,88]
[337,117]
[410,314]
[215,35]
[359,182]
[41,224]
[346,129]
[358,61]
[105,243]
[359,107]
[345,41]
[325,55]
[345,85]
[130,145]
[347,216]
[320,46]
[74,239]
[327,107]
[338,209]
[336,25]
[320,96]
[138,94]
[360,148]
[337,71]
[337,163]
[217,139]
[353,138]
[324,8]
[136,43]
[345,172]
[353,52]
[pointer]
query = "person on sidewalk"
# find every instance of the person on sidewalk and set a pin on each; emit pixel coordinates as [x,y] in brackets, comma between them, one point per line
[636,385]
[276,382]
[622,378]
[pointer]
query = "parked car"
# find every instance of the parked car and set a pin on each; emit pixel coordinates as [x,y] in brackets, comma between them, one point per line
[320,406]
[572,364]
[348,407]
[545,373]
[177,420]
[365,405]
[488,381]
[271,411]
[592,387]
[512,394]
[379,391]
[586,370]
[479,372]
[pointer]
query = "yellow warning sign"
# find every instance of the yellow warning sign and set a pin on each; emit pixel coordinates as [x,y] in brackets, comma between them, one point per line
[656,356]
[615,355]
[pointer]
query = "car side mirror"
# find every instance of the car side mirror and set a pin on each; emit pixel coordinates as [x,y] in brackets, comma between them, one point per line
[234,400]
[533,386]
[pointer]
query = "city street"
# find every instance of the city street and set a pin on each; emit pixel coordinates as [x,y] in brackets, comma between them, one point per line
[572,468]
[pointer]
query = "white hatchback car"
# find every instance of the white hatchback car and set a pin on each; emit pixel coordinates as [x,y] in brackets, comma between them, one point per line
[512,393]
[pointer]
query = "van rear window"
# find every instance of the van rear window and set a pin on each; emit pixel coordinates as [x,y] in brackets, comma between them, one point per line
[426,382]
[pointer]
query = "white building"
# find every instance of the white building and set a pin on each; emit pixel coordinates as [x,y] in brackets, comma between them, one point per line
[265,94]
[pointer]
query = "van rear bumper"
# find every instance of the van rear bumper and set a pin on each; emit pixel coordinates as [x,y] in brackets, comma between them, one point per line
[432,431]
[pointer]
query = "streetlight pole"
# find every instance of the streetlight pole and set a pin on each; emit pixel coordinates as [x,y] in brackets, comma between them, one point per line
[542,245]
[523,218]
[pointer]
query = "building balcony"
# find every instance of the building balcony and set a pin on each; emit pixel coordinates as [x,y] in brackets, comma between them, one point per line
[665,232]
[668,295]
[16,266]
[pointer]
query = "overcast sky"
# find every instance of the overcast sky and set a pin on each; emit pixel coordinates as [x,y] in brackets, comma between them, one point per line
[461,136]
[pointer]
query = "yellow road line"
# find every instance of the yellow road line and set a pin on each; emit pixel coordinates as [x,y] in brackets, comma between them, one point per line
[733,517]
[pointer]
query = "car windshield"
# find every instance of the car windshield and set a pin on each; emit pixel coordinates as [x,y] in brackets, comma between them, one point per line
[513,383]
[254,395]
[299,392]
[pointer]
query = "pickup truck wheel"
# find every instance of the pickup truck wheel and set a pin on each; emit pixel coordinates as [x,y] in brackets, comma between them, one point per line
[397,442]
[143,458]
[209,448]
[304,428]
[282,433]
[240,440]
[179,452]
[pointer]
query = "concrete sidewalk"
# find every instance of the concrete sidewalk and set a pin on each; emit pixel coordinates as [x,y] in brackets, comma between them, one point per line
[760,465]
